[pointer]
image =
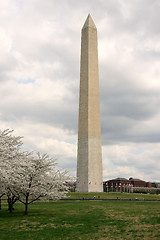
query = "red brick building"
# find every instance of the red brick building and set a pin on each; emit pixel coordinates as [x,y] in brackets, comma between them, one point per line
[124,185]
[137,182]
[117,185]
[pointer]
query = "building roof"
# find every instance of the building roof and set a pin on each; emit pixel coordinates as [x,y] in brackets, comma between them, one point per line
[124,179]
[135,179]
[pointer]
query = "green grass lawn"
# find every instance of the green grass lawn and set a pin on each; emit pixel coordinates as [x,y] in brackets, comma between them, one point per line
[84,220]
[105,195]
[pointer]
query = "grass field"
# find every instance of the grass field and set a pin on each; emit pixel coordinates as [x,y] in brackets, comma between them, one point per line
[86,220]
[104,195]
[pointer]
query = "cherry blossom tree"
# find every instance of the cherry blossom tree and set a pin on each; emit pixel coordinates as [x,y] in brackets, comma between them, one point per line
[26,176]
[9,152]
[37,178]
[9,145]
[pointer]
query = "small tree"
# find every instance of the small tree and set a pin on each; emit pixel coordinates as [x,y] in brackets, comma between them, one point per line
[9,153]
[36,177]
[28,177]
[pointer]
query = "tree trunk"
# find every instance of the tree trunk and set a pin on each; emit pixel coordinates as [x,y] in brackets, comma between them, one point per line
[10,205]
[26,209]
[11,201]
[10,208]
[1,200]
[26,205]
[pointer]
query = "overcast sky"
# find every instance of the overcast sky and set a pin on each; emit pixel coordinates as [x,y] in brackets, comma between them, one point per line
[39,80]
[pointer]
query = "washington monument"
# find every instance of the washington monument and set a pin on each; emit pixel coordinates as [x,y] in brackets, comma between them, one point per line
[89,160]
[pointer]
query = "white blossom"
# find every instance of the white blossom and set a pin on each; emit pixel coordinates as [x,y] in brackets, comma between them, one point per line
[27,176]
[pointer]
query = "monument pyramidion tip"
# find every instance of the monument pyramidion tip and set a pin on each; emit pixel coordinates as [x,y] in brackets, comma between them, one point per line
[89,22]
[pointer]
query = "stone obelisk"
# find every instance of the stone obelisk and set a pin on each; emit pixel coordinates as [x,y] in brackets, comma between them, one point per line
[89,161]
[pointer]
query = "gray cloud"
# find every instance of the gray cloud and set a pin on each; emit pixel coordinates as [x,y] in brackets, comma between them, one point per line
[39,79]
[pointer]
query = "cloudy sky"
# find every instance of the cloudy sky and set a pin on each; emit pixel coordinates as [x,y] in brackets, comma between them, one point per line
[39,80]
